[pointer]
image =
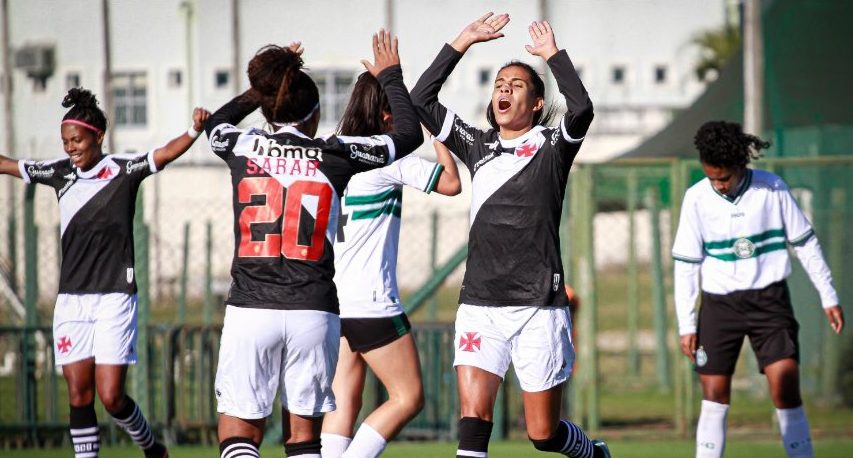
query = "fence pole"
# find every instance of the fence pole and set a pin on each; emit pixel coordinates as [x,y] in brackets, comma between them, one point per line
[633,280]
[208,274]
[432,311]
[658,295]
[182,292]
[31,287]
[141,373]
[684,374]
[831,343]
[586,285]
[577,194]
[13,243]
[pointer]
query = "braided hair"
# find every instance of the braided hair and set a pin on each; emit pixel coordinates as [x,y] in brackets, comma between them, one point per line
[284,92]
[541,117]
[724,144]
[363,114]
[84,107]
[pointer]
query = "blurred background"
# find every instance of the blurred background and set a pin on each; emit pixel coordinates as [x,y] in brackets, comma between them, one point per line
[655,70]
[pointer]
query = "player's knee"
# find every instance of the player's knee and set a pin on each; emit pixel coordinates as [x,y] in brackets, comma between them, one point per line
[113,400]
[79,396]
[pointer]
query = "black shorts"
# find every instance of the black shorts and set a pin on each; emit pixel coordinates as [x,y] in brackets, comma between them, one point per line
[365,334]
[764,315]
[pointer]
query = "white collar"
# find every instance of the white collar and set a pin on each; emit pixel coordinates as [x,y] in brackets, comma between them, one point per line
[519,140]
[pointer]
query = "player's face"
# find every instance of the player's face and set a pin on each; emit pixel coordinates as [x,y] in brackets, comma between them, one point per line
[723,179]
[513,99]
[82,145]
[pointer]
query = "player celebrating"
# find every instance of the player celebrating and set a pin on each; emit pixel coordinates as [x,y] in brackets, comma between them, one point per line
[513,306]
[735,227]
[374,328]
[94,322]
[281,322]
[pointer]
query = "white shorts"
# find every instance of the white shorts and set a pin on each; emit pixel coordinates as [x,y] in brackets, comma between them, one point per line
[262,349]
[102,326]
[537,340]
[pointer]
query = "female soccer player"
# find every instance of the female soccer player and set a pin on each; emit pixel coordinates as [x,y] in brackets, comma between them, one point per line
[94,322]
[281,321]
[374,328]
[513,306]
[735,228]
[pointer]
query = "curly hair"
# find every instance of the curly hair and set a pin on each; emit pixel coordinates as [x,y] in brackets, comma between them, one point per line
[541,117]
[724,144]
[363,114]
[284,92]
[84,107]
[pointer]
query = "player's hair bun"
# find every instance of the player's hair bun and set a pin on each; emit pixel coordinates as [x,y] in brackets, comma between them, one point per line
[80,98]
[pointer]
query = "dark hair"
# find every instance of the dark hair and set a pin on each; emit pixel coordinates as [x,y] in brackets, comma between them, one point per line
[284,92]
[542,116]
[724,144]
[363,114]
[84,107]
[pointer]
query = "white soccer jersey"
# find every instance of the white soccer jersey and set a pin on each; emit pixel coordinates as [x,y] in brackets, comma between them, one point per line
[741,242]
[368,235]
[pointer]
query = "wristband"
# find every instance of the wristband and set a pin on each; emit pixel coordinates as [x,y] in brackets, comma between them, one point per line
[193,133]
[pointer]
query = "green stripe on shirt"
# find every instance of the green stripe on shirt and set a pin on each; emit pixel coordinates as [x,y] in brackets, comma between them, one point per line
[433,179]
[392,208]
[752,238]
[395,193]
[775,246]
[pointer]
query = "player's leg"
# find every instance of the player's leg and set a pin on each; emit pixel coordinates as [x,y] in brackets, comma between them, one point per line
[398,368]
[711,428]
[312,340]
[783,377]
[247,377]
[115,349]
[348,386]
[73,329]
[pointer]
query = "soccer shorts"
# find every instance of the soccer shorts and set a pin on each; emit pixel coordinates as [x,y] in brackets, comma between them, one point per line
[102,326]
[365,334]
[263,351]
[764,315]
[537,340]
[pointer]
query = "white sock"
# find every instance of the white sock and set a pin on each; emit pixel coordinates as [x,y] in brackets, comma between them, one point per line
[711,430]
[333,445]
[367,443]
[795,432]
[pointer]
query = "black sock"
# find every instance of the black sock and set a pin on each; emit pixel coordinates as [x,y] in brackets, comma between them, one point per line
[569,440]
[302,448]
[474,436]
[85,434]
[238,446]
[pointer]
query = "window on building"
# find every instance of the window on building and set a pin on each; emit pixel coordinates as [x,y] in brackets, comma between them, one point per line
[221,79]
[618,74]
[72,80]
[335,87]
[176,78]
[485,77]
[130,98]
[660,74]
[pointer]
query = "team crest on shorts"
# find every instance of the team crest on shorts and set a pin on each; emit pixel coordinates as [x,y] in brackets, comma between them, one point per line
[64,344]
[744,248]
[701,357]
[469,341]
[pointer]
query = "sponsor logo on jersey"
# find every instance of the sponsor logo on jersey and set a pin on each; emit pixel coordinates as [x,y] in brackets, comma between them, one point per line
[555,284]
[701,357]
[744,248]
[64,344]
[70,179]
[470,341]
[364,156]
[461,130]
[269,147]
[484,160]
[133,166]
[218,144]
[555,137]
[36,172]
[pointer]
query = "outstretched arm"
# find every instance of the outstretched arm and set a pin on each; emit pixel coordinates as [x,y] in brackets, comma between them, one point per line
[9,166]
[448,183]
[180,144]
[486,28]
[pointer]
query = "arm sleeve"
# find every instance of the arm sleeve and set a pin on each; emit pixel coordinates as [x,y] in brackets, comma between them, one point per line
[448,128]
[688,244]
[807,248]
[406,135]
[41,172]
[221,127]
[139,166]
[412,171]
[686,291]
[579,112]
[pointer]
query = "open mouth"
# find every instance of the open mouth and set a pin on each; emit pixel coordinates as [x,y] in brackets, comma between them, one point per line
[503,105]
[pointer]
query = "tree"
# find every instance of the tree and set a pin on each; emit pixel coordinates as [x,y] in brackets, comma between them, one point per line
[716,46]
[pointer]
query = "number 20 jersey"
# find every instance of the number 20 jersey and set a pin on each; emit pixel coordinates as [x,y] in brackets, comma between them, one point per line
[286,200]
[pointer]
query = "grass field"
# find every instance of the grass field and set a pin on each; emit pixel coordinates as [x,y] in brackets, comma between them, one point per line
[739,446]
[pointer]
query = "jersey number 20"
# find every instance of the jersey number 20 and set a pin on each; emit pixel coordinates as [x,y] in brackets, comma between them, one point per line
[286,243]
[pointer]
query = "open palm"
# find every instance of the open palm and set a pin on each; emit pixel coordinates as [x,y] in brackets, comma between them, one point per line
[544,44]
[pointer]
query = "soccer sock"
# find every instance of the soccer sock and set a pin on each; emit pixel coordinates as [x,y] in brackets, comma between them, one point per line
[241,447]
[569,440]
[711,430]
[366,443]
[795,432]
[334,445]
[474,436]
[85,434]
[130,419]
[308,449]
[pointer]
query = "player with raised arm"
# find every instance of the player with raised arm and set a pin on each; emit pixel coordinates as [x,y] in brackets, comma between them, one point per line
[94,321]
[374,328]
[735,228]
[281,330]
[513,306]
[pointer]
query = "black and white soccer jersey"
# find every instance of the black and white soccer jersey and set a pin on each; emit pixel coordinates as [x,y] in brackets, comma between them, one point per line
[96,209]
[518,188]
[286,199]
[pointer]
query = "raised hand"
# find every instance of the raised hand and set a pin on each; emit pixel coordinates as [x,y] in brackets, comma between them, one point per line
[296,46]
[486,28]
[544,45]
[384,53]
[200,115]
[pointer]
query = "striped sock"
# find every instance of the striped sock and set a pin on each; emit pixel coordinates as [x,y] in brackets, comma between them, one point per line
[130,419]
[577,445]
[85,434]
[241,447]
